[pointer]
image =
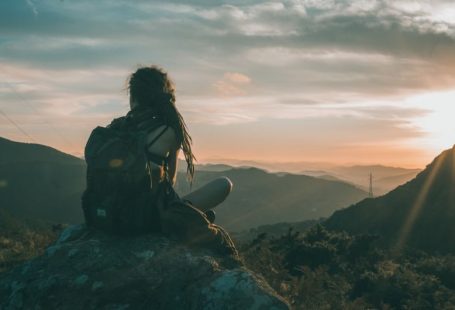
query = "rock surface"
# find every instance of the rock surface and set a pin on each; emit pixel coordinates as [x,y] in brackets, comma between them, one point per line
[84,270]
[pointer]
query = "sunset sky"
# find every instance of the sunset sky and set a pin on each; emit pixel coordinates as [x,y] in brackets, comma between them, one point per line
[345,82]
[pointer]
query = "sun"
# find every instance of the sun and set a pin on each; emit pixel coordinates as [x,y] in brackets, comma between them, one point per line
[438,123]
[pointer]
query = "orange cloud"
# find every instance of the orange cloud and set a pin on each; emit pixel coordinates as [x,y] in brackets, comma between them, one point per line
[232,84]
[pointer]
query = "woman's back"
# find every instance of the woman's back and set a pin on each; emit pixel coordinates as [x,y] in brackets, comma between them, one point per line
[162,141]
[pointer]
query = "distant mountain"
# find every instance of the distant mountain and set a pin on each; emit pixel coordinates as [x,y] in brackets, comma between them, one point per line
[331,178]
[37,181]
[379,170]
[385,178]
[260,198]
[212,167]
[299,167]
[40,182]
[204,167]
[419,214]
[314,173]
[384,185]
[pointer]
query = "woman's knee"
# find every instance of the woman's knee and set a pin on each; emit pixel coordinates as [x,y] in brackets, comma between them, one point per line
[226,184]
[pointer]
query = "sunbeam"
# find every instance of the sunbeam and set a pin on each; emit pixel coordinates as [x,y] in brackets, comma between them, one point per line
[419,202]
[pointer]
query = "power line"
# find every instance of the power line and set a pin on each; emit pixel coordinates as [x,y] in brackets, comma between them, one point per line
[17,126]
[54,130]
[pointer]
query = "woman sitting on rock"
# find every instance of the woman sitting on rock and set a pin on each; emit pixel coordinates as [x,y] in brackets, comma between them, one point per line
[145,200]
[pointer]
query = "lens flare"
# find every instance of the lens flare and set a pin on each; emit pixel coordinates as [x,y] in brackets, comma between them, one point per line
[3,183]
[116,163]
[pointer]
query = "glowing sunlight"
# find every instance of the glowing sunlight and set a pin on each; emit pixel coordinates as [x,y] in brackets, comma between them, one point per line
[439,122]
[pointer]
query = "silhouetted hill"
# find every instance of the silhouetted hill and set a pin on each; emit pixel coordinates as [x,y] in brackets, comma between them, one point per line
[385,178]
[43,183]
[260,198]
[18,152]
[212,167]
[40,182]
[419,214]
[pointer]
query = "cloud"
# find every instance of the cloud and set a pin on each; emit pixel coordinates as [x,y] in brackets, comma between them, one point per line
[232,84]
[32,6]
[39,93]
[324,40]
[237,78]
[234,62]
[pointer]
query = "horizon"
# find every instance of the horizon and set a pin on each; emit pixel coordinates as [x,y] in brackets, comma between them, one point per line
[336,82]
[298,167]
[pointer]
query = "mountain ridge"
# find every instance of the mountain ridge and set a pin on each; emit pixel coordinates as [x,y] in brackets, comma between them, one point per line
[418,214]
[13,151]
[49,184]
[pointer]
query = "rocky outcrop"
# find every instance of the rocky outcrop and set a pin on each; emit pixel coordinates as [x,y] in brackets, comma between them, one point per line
[86,270]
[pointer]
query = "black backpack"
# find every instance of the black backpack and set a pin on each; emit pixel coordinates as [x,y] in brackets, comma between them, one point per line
[118,198]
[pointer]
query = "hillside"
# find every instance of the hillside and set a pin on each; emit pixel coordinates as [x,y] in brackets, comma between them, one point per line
[18,152]
[43,183]
[40,182]
[260,198]
[418,214]
[320,269]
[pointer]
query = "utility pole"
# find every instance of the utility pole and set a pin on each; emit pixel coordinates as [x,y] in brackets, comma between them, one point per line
[370,192]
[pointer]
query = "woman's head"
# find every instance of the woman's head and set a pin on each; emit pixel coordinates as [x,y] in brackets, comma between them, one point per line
[151,88]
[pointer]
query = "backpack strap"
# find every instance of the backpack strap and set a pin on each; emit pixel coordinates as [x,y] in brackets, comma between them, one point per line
[156,138]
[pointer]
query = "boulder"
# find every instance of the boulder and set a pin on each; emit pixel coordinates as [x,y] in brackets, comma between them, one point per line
[87,270]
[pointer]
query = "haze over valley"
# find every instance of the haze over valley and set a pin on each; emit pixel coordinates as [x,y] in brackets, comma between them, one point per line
[43,183]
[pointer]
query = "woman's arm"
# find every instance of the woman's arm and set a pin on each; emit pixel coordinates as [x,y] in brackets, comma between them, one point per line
[165,145]
[173,156]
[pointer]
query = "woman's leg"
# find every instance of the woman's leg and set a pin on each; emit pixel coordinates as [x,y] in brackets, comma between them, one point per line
[190,225]
[211,194]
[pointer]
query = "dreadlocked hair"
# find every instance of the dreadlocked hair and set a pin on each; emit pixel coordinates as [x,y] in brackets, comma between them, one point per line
[152,88]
